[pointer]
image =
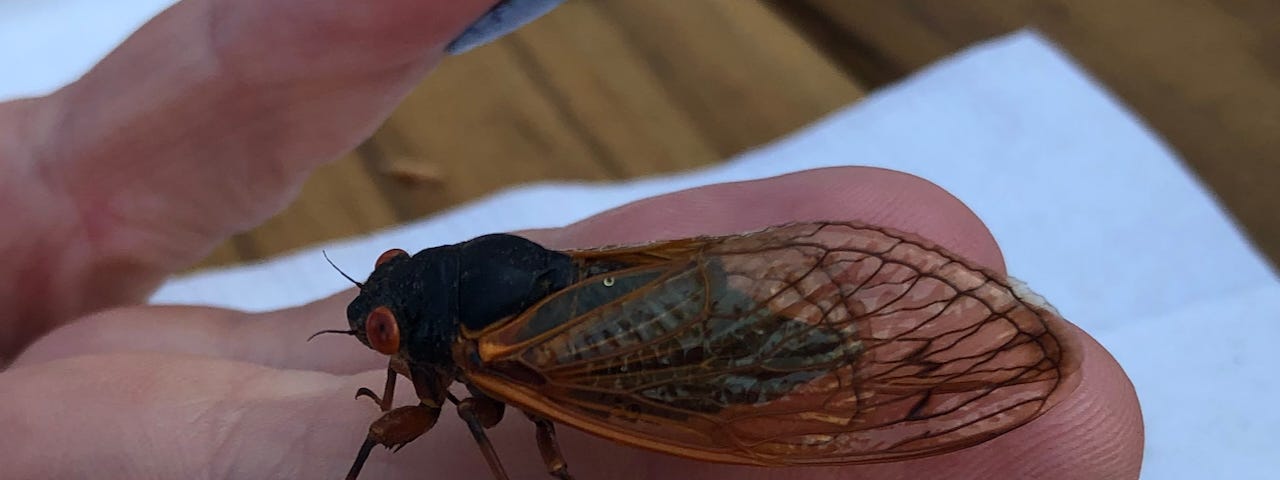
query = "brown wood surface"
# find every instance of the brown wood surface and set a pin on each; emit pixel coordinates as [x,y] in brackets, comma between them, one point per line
[599,90]
[612,89]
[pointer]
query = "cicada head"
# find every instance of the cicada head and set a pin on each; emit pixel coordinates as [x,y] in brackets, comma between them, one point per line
[407,307]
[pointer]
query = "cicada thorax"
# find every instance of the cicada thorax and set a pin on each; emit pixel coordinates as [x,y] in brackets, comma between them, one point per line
[809,343]
[431,296]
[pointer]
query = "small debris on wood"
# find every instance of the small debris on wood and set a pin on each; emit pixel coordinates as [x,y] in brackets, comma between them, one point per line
[414,172]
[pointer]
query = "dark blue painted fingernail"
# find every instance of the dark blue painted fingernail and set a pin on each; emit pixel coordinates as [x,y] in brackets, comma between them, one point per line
[500,20]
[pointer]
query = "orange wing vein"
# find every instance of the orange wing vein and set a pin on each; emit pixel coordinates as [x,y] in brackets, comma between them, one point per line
[810,343]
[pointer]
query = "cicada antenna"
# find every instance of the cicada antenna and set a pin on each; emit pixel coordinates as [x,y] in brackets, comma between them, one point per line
[344,332]
[344,274]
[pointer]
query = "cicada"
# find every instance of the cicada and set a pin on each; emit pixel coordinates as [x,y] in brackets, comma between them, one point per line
[815,343]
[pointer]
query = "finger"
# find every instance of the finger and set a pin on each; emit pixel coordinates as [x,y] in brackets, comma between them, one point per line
[1096,433]
[175,416]
[275,339]
[871,195]
[200,125]
[148,415]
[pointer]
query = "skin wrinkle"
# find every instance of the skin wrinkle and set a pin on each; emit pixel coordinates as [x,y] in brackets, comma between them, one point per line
[32,188]
[227,450]
[99,255]
[214,35]
[212,421]
[310,431]
[240,343]
[285,170]
[97,181]
[1092,408]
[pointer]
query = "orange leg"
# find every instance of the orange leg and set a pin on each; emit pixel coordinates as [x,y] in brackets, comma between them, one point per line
[399,426]
[394,429]
[550,449]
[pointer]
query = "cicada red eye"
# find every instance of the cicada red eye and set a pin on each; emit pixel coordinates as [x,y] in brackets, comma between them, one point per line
[382,331]
[388,255]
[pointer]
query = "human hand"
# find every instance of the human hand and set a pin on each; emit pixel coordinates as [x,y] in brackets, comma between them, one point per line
[202,124]
[164,392]
[181,391]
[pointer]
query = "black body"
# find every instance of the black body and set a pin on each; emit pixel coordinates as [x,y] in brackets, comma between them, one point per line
[472,284]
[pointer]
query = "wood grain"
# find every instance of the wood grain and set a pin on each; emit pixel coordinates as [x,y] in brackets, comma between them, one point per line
[599,90]
[1204,74]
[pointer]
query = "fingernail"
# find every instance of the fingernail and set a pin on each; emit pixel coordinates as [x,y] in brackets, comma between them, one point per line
[500,20]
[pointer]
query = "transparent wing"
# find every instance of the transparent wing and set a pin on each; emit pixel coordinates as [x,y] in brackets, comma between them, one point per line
[815,343]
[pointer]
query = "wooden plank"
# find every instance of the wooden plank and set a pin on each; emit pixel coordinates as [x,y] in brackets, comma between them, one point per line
[485,120]
[1205,74]
[604,88]
[742,73]
[596,91]
[226,253]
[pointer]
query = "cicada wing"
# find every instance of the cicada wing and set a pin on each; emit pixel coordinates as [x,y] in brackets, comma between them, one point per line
[818,343]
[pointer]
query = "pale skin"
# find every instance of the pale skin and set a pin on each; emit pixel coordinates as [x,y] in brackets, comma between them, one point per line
[198,128]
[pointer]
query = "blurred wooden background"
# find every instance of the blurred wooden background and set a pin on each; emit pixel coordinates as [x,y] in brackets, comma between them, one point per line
[612,89]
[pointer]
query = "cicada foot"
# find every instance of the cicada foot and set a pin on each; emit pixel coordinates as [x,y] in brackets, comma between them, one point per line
[365,392]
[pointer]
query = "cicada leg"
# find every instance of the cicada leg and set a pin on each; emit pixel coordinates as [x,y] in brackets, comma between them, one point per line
[394,429]
[399,426]
[550,448]
[388,391]
[482,412]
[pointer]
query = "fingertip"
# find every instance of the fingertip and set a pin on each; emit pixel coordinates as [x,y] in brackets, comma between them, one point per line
[1097,431]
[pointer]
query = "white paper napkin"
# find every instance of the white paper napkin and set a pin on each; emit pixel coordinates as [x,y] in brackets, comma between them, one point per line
[45,44]
[1090,208]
